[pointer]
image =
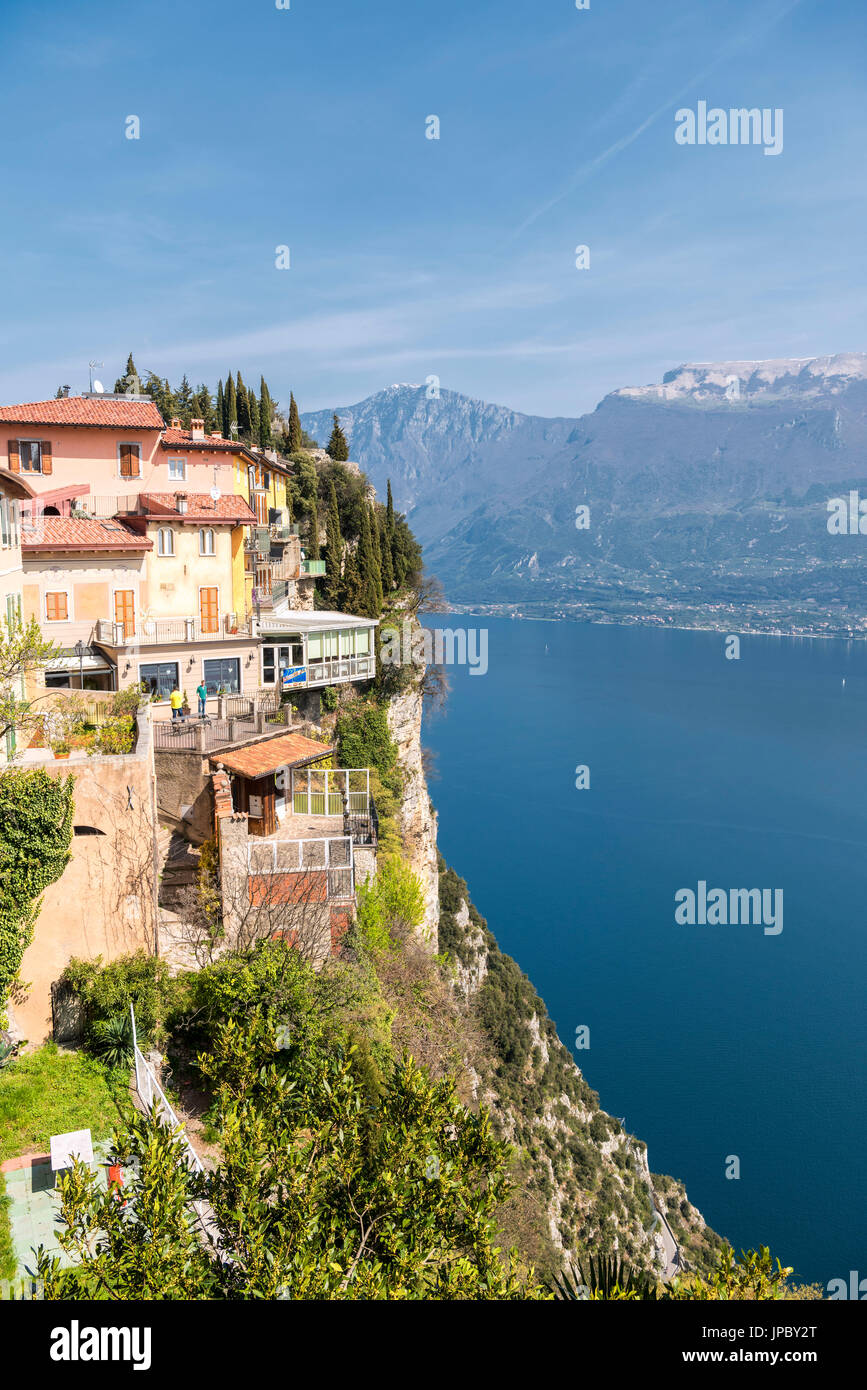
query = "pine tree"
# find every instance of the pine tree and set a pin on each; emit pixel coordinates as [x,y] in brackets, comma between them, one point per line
[368,568]
[296,435]
[221,408]
[264,415]
[230,409]
[184,401]
[203,407]
[333,552]
[129,380]
[385,565]
[337,446]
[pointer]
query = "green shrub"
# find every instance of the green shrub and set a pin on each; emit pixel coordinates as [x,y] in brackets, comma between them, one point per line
[390,905]
[106,992]
[329,699]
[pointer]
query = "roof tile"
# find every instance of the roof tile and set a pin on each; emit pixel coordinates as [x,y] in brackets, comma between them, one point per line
[85,410]
[287,750]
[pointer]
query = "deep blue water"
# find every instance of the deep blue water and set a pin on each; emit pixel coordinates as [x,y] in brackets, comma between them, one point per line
[708,1040]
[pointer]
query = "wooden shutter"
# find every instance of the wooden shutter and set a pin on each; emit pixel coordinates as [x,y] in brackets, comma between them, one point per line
[14,456]
[209,609]
[56,609]
[124,610]
[47,460]
[126,461]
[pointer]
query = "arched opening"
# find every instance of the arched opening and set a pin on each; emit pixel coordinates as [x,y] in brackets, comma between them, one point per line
[86,830]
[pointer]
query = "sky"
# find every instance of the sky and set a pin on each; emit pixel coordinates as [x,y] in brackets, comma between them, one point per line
[411,257]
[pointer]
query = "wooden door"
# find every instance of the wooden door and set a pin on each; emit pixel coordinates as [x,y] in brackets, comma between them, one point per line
[124,611]
[209,609]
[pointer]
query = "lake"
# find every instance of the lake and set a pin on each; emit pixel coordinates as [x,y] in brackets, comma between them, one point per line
[712,1042]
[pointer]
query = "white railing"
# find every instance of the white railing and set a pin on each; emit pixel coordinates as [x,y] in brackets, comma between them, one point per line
[333,670]
[150,1090]
[330,791]
[330,855]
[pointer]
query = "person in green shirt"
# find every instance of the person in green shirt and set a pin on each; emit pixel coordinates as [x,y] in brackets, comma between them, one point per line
[176,700]
[202,692]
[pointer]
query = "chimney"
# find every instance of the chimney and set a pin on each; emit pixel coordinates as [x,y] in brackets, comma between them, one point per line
[198,428]
[215,434]
[181,500]
[176,424]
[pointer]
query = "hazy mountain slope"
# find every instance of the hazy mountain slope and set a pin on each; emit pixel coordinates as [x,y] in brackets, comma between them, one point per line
[696,498]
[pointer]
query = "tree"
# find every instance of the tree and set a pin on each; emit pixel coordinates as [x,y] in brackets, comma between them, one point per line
[221,409]
[230,410]
[337,445]
[265,412]
[243,405]
[203,407]
[22,651]
[368,566]
[350,589]
[313,531]
[130,379]
[389,515]
[184,401]
[253,412]
[326,1189]
[296,439]
[385,564]
[333,551]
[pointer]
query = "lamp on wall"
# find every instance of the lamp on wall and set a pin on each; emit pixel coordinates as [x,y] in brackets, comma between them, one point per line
[191,661]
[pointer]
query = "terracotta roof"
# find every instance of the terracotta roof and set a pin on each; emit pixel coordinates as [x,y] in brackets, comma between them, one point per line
[287,750]
[67,533]
[13,482]
[200,507]
[85,410]
[183,439]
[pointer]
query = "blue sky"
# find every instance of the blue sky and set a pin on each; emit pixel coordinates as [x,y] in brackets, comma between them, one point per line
[409,257]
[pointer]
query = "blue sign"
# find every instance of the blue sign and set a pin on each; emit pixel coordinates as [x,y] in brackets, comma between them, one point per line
[292,675]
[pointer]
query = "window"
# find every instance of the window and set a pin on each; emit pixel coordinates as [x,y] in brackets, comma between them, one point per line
[275,658]
[5,523]
[159,678]
[206,541]
[56,607]
[362,641]
[165,541]
[177,470]
[124,611]
[223,674]
[30,451]
[13,610]
[209,610]
[129,460]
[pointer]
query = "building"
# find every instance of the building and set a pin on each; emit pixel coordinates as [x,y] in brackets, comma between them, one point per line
[13,491]
[302,650]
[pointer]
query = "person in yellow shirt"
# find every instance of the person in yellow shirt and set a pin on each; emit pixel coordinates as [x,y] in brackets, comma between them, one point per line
[176,700]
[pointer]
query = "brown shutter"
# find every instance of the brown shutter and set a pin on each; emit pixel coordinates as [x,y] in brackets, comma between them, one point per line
[47,461]
[14,456]
[125,461]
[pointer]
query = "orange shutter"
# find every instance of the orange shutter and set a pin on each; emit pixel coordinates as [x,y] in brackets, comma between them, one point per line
[14,456]
[56,610]
[209,608]
[47,461]
[124,610]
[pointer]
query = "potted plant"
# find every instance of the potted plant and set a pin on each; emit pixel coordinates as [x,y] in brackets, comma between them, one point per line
[60,749]
[185,707]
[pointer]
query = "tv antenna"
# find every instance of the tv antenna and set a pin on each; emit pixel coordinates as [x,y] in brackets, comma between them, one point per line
[95,385]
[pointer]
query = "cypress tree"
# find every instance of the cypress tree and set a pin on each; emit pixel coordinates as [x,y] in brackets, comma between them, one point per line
[368,569]
[389,515]
[385,565]
[337,445]
[333,551]
[264,415]
[296,434]
[350,589]
[313,541]
[243,406]
[230,409]
[129,378]
[253,412]
[221,408]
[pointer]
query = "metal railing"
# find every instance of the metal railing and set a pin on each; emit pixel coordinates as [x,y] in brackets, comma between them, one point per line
[330,791]
[157,631]
[313,567]
[329,854]
[201,735]
[332,670]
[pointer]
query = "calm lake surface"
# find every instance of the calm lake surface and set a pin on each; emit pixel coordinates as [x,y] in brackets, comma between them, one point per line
[708,1041]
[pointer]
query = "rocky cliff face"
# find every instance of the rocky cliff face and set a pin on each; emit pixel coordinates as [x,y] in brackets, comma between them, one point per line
[417,819]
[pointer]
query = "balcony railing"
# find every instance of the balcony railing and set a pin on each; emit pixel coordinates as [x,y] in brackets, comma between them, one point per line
[154,631]
[332,856]
[334,670]
[313,567]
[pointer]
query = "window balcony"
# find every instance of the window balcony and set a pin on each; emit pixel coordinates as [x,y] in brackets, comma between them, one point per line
[161,631]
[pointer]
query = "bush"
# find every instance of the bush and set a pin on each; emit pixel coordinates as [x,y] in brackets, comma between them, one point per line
[392,904]
[329,699]
[106,992]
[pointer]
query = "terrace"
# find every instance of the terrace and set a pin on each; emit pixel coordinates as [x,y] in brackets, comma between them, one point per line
[159,631]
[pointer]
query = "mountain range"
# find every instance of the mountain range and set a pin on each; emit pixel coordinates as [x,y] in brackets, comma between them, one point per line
[706,495]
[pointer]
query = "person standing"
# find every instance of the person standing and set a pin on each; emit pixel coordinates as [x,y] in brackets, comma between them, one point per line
[176,700]
[202,692]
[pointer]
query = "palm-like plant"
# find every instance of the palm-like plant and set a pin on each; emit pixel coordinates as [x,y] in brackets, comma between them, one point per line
[605,1277]
[111,1040]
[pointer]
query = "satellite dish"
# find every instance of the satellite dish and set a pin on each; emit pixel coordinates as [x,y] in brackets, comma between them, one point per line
[98,386]
[215,493]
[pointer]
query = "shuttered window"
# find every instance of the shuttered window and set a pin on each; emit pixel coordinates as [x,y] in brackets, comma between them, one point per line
[130,460]
[56,607]
[209,607]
